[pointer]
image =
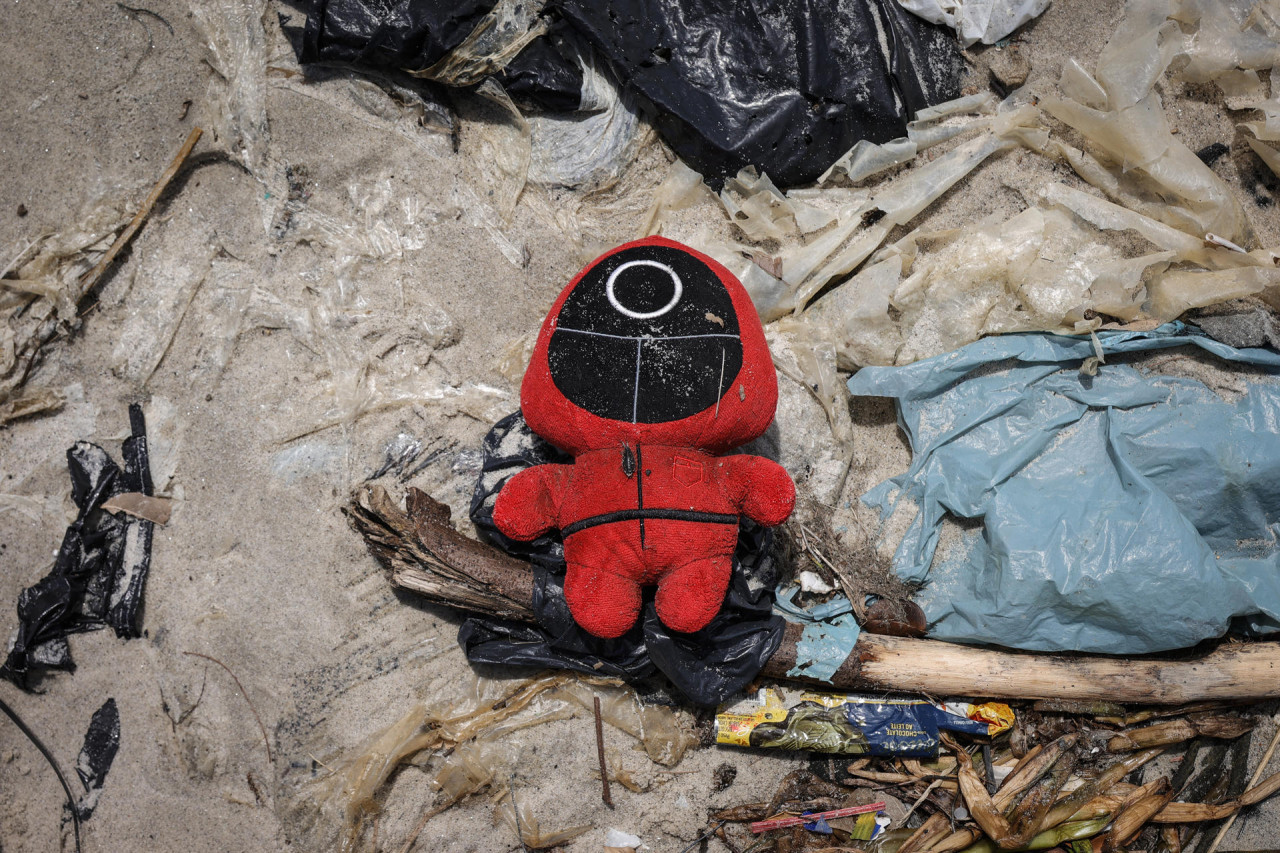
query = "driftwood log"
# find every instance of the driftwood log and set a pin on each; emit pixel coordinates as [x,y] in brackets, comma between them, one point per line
[423,553]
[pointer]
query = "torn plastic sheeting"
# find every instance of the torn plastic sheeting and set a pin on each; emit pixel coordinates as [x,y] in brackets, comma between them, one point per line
[526,828]
[1119,112]
[787,89]
[824,646]
[101,567]
[762,211]
[101,742]
[1125,513]
[830,632]
[591,148]
[986,21]
[792,612]
[1049,268]
[867,158]
[705,666]
[865,220]
[1229,35]
[657,727]
[421,36]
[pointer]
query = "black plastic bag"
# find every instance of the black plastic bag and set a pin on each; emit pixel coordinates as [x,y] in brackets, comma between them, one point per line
[414,35]
[787,86]
[705,666]
[102,565]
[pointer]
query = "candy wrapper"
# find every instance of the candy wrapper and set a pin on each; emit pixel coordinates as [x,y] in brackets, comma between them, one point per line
[774,718]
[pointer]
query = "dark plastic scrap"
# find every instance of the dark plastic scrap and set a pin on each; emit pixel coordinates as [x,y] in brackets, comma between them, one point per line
[705,666]
[101,569]
[787,86]
[101,742]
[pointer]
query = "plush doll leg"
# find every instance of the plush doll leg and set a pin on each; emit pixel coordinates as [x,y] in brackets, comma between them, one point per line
[604,603]
[689,597]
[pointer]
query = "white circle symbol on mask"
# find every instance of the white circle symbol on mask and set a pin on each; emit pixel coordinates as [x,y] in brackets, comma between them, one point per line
[645,315]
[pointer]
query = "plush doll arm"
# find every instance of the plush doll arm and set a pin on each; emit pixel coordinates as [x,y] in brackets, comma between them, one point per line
[529,504]
[761,487]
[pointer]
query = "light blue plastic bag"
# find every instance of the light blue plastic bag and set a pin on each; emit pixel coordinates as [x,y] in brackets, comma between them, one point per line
[1127,512]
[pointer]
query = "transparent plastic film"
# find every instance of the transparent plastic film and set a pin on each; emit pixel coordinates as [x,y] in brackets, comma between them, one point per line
[1134,157]
[658,728]
[526,827]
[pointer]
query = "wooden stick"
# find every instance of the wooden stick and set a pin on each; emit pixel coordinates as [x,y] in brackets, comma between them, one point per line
[424,553]
[604,768]
[1231,672]
[91,278]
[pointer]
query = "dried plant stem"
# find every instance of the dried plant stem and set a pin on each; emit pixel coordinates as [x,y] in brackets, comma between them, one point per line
[94,275]
[265,741]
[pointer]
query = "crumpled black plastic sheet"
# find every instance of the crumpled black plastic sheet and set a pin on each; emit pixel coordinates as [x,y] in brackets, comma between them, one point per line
[706,666]
[101,568]
[787,86]
[412,35]
[101,742]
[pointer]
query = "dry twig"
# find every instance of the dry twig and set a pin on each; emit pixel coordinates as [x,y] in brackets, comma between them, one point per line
[604,768]
[265,741]
[94,275]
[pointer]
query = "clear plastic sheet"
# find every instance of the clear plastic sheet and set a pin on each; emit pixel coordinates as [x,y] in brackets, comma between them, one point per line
[235,33]
[1058,267]
[495,40]
[787,279]
[529,831]
[1134,158]
[930,127]
[41,284]
[469,743]
[658,728]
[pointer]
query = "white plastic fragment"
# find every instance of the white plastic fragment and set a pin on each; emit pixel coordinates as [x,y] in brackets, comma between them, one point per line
[591,148]
[616,839]
[986,21]
[813,582]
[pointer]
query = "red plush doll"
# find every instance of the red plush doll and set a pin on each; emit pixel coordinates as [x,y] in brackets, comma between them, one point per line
[651,363]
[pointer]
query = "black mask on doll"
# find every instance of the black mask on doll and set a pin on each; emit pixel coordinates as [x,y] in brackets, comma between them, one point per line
[648,336]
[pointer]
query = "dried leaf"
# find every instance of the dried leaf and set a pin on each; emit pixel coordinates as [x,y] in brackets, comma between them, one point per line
[1175,731]
[1129,822]
[1191,812]
[141,506]
[26,403]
